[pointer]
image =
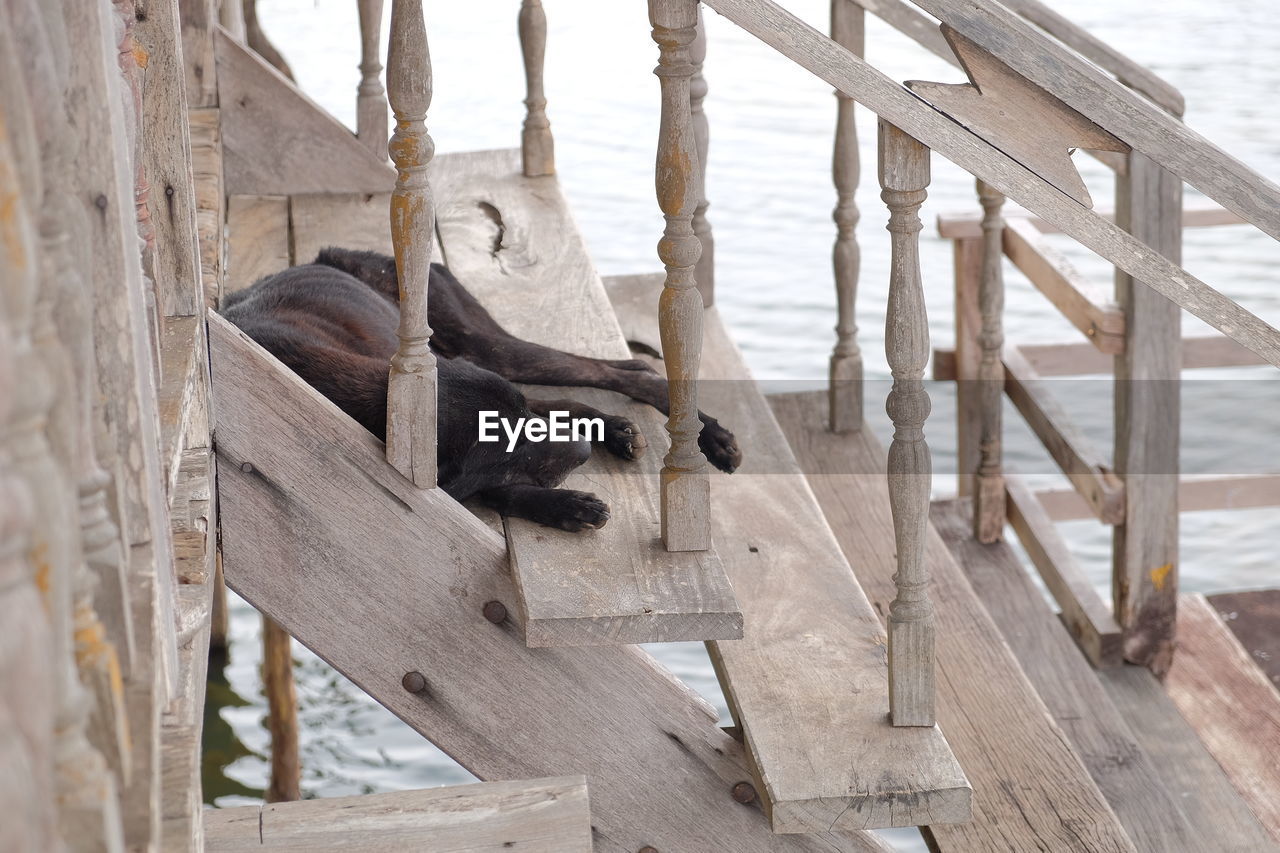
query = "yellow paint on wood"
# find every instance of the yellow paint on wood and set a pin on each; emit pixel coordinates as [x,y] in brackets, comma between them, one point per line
[1160,575]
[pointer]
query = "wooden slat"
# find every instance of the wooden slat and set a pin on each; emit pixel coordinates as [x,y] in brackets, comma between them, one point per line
[1186,769]
[812,659]
[1195,214]
[181,353]
[206,164]
[1196,493]
[277,141]
[1074,453]
[1086,616]
[615,584]
[309,502]
[1086,306]
[1095,729]
[349,220]
[1231,704]
[1030,791]
[812,50]
[538,816]
[258,238]
[1253,617]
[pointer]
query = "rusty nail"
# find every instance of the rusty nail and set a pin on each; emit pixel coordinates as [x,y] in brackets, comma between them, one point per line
[414,682]
[247,468]
[495,612]
[743,792]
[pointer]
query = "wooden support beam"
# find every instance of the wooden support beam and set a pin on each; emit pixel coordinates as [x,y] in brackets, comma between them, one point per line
[1196,493]
[1086,616]
[1084,466]
[1199,213]
[537,147]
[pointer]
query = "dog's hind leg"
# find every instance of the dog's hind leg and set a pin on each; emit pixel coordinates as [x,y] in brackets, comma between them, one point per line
[619,436]
[566,509]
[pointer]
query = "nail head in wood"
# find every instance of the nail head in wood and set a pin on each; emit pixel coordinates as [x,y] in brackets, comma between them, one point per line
[246,467]
[495,612]
[414,682]
[744,792]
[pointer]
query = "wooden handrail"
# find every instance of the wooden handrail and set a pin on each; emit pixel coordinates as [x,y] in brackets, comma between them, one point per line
[1195,214]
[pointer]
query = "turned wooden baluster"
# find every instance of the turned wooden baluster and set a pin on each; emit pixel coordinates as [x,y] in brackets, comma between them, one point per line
[411,396]
[686,489]
[988,491]
[537,148]
[904,176]
[371,98]
[844,394]
[706,269]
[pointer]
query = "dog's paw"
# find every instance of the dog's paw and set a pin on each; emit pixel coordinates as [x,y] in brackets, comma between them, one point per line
[720,447]
[622,438]
[575,511]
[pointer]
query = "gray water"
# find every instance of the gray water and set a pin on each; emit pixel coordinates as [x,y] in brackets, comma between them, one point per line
[770,187]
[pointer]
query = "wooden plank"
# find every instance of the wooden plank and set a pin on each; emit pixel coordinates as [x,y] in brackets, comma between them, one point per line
[1231,704]
[258,238]
[180,365]
[812,660]
[1199,213]
[309,501]
[617,584]
[1253,616]
[349,220]
[1084,614]
[1071,449]
[812,50]
[1196,493]
[1030,790]
[1084,304]
[1079,359]
[206,163]
[1211,805]
[277,141]
[1094,728]
[538,816]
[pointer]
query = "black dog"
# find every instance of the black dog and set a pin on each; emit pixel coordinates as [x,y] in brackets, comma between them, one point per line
[334,323]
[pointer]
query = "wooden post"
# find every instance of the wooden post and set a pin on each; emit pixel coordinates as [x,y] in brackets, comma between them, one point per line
[411,395]
[988,493]
[967,254]
[706,269]
[844,394]
[904,176]
[1147,410]
[282,712]
[686,489]
[371,98]
[536,145]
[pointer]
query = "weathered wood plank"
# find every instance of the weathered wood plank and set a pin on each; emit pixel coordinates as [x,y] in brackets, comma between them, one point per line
[258,238]
[1030,791]
[181,353]
[1199,213]
[615,584]
[1084,614]
[349,220]
[1096,731]
[1231,704]
[277,141]
[812,659]
[1253,617]
[308,499]
[206,164]
[818,54]
[538,816]
[1196,493]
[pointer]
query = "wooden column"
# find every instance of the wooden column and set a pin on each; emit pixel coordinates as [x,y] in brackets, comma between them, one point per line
[371,98]
[282,712]
[988,493]
[706,269]
[904,176]
[411,396]
[967,254]
[686,489]
[1147,410]
[537,146]
[844,395]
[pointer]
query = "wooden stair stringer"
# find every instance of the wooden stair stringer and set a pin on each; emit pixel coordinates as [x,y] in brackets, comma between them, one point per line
[381,579]
[808,682]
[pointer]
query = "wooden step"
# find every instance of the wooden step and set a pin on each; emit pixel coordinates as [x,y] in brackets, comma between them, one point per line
[808,683]
[511,241]
[381,579]
[1096,730]
[1030,790]
[1254,617]
[539,816]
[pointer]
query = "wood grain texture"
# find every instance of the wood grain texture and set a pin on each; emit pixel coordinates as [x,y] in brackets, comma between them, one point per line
[616,584]
[1196,213]
[538,816]
[258,238]
[182,357]
[1084,614]
[371,98]
[1030,792]
[537,147]
[1253,616]
[308,499]
[206,164]
[1094,728]
[1148,405]
[961,364]
[1231,704]
[812,658]
[801,43]
[277,141]
[285,782]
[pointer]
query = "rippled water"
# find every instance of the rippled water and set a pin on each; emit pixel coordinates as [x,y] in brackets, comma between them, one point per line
[771,195]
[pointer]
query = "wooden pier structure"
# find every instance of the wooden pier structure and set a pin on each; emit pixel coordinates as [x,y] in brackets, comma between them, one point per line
[888,661]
